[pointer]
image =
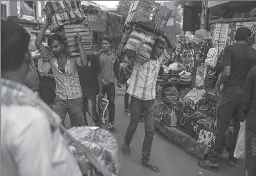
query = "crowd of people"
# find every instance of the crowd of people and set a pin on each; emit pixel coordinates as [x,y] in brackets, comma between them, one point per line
[31,141]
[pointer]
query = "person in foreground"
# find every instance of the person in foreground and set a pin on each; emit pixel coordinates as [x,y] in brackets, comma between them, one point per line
[69,97]
[31,142]
[249,104]
[238,58]
[143,92]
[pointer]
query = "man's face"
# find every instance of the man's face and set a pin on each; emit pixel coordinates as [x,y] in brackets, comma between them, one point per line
[56,48]
[158,49]
[105,45]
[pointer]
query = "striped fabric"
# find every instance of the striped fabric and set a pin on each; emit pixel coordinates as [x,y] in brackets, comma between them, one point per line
[68,83]
[142,83]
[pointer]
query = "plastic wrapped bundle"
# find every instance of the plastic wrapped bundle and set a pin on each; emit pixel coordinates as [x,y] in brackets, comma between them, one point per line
[68,32]
[102,145]
[140,44]
[142,11]
[150,14]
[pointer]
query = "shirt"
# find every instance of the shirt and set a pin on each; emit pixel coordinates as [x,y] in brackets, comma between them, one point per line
[31,142]
[107,62]
[241,58]
[142,83]
[67,84]
[88,76]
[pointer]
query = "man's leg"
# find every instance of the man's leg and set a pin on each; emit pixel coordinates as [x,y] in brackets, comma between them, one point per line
[148,113]
[75,110]
[136,107]
[110,91]
[85,109]
[126,101]
[60,107]
[224,112]
[92,109]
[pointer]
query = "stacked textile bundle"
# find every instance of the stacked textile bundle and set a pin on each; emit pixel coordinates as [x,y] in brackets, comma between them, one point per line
[69,32]
[67,19]
[150,14]
[63,12]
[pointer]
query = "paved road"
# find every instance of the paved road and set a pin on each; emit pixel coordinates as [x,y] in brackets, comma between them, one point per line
[171,160]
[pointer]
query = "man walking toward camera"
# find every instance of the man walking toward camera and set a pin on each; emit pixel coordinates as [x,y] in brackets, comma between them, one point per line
[142,88]
[68,90]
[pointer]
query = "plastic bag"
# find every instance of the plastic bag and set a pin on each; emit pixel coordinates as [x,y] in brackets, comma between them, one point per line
[240,144]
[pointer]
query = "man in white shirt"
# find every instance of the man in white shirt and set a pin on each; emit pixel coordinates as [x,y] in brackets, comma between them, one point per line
[31,142]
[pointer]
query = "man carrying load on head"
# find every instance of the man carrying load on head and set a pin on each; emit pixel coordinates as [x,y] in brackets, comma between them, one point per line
[142,88]
[68,90]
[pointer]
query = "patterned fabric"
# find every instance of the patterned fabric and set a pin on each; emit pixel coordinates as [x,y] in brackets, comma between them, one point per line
[29,133]
[142,83]
[101,143]
[67,84]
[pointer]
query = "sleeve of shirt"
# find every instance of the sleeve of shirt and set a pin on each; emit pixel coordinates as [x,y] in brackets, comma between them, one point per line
[227,58]
[32,144]
[45,52]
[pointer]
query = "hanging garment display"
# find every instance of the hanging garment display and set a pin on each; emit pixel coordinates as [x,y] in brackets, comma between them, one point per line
[69,33]
[194,98]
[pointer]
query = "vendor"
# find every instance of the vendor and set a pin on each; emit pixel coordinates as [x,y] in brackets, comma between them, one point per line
[238,59]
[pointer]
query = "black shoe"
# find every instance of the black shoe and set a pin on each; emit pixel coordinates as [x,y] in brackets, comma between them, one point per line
[111,126]
[149,165]
[126,150]
[231,160]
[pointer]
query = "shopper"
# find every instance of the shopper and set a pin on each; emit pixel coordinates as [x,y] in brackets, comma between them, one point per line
[249,104]
[109,66]
[143,92]
[238,59]
[68,90]
[90,79]
[31,143]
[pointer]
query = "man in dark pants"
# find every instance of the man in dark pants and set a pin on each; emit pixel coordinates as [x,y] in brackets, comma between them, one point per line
[238,59]
[109,66]
[126,100]
[90,80]
[142,88]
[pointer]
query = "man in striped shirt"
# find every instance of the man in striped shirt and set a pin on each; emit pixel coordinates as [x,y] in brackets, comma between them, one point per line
[69,97]
[142,88]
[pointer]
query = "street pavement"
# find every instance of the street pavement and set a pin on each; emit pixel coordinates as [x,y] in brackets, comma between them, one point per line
[171,160]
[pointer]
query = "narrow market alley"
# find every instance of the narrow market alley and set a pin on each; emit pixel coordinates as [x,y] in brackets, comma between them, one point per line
[171,160]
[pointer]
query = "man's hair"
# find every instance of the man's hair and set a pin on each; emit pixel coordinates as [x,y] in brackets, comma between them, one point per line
[54,37]
[108,38]
[14,45]
[242,34]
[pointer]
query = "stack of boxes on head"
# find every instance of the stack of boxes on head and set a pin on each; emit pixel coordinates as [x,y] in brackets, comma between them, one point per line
[146,21]
[67,20]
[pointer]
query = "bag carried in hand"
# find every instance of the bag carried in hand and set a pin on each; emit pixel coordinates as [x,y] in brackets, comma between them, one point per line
[240,144]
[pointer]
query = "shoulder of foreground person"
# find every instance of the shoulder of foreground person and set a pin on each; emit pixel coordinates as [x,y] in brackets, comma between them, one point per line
[28,136]
[22,119]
